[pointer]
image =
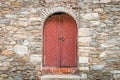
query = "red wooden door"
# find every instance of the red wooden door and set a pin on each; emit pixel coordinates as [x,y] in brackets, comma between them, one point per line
[69,45]
[60,41]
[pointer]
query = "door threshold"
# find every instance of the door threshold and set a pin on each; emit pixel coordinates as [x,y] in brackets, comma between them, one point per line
[60,77]
[53,70]
[69,76]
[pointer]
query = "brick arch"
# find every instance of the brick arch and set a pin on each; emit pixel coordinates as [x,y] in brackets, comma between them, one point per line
[49,11]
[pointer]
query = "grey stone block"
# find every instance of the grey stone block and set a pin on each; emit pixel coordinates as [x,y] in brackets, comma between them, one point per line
[4,21]
[60,77]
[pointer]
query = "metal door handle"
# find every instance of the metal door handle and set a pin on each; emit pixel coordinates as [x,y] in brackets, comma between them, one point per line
[61,38]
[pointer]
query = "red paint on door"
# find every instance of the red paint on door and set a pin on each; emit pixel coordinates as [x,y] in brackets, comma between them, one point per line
[69,45]
[60,41]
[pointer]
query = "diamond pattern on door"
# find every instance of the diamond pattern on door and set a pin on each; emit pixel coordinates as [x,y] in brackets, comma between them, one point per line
[51,44]
[60,41]
[69,46]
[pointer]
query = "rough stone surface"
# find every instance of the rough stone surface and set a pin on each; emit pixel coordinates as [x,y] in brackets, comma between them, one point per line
[20,49]
[105,1]
[84,39]
[98,10]
[97,67]
[83,60]
[7,52]
[90,16]
[94,23]
[83,76]
[83,32]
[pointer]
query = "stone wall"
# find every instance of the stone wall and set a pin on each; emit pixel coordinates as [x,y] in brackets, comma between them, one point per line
[21,25]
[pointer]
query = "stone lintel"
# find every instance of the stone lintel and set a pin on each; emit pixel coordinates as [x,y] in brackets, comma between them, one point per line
[57,77]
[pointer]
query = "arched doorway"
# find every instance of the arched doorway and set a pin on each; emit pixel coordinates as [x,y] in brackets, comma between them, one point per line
[60,41]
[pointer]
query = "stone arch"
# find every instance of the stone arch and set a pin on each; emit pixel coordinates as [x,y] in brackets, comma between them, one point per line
[45,13]
[49,11]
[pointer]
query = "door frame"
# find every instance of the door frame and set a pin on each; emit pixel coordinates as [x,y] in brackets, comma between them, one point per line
[43,38]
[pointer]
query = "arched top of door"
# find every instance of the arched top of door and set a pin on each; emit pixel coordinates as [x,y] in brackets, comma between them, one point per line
[47,12]
[60,13]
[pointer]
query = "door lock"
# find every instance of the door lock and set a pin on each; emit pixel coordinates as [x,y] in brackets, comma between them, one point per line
[61,38]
